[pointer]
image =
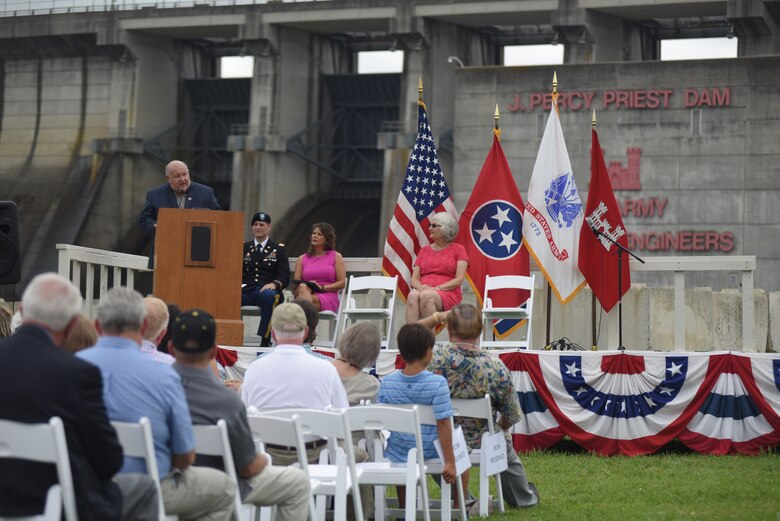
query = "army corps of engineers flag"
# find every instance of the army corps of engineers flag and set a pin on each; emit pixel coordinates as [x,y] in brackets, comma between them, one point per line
[553,213]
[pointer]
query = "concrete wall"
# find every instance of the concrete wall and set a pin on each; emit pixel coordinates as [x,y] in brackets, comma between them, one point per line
[725,179]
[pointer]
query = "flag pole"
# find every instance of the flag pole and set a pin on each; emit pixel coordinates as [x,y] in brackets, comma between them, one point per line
[549,287]
[593,346]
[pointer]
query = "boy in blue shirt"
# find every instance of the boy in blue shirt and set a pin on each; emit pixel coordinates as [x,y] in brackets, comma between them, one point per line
[414,384]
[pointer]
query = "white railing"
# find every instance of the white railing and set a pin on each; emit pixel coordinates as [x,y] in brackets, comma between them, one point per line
[72,258]
[101,262]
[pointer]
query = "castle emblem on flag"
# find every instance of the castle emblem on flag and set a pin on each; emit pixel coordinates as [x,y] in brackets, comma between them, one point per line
[562,200]
[496,229]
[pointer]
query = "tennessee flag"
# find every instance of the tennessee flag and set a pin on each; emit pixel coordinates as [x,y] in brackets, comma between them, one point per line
[553,213]
[598,258]
[491,230]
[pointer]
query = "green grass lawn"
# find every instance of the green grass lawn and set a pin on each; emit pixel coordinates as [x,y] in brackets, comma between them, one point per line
[674,484]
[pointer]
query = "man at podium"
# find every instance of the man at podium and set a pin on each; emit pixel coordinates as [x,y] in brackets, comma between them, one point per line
[178,192]
[266,274]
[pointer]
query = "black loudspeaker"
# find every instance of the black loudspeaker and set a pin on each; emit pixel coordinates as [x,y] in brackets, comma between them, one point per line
[10,257]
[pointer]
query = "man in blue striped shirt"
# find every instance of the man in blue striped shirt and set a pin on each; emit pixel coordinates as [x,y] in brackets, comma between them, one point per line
[135,385]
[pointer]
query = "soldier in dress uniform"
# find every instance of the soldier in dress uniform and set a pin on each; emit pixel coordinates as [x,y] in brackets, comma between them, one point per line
[266,273]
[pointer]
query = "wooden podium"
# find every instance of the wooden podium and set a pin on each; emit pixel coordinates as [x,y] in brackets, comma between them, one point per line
[198,262]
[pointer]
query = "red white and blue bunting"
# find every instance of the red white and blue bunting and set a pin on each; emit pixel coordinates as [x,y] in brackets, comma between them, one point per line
[631,403]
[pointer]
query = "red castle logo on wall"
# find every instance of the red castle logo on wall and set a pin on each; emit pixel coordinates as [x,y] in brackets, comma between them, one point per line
[626,178]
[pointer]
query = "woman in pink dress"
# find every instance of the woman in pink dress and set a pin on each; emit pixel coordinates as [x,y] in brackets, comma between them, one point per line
[323,267]
[438,271]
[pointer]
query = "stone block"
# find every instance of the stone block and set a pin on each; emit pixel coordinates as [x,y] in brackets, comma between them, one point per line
[762,240]
[761,172]
[710,206]
[723,172]
[773,340]
[761,207]
[727,321]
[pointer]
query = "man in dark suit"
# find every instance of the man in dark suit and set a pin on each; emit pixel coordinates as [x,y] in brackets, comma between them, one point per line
[266,273]
[178,192]
[41,381]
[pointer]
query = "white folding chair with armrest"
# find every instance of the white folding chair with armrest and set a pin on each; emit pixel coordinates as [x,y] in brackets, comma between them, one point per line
[491,313]
[337,471]
[42,443]
[333,320]
[480,408]
[213,440]
[137,442]
[353,313]
[274,430]
[379,474]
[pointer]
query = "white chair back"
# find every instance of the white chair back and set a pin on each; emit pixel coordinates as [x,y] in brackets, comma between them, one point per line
[137,442]
[428,417]
[385,417]
[522,312]
[334,426]
[213,440]
[353,312]
[481,408]
[276,430]
[43,443]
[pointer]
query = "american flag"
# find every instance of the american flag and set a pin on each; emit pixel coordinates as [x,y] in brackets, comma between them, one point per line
[423,193]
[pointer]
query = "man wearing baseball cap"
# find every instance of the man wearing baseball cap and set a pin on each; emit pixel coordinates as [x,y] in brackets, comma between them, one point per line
[193,343]
[266,273]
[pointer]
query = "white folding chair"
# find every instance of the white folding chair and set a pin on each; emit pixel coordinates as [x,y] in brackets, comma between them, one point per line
[212,440]
[491,313]
[383,473]
[43,443]
[354,312]
[336,471]
[284,431]
[481,408]
[434,466]
[251,311]
[137,442]
[333,320]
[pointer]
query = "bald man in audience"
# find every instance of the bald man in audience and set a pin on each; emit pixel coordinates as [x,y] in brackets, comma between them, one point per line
[156,327]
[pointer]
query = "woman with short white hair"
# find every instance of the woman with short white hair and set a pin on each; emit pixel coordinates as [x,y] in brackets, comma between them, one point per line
[438,271]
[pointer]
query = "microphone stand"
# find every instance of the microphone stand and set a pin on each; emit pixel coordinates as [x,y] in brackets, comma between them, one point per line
[619,252]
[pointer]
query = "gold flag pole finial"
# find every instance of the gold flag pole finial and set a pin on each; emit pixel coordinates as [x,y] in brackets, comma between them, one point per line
[496,117]
[593,120]
[555,81]
[419,88]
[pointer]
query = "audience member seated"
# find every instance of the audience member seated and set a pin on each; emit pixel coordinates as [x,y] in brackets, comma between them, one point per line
[47,381]
[473,373]
[138,386]
[322,269]
[82,335]
[358,349]
[156,328]
[5,323]
[288,377]
[438,272]
[173,314]
[266,274]
[194,344]
[415,384]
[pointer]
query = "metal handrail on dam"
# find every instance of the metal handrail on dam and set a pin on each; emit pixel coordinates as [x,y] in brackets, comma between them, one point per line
[104,269]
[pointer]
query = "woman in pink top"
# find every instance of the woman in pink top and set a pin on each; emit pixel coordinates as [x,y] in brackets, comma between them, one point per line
[438,271]
[323,270]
